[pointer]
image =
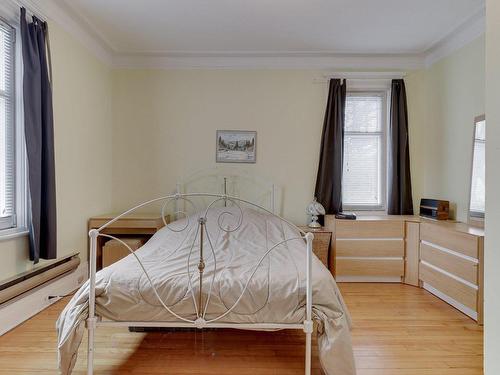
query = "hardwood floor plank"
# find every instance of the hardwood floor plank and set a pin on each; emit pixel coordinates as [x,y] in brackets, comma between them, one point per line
[398,330]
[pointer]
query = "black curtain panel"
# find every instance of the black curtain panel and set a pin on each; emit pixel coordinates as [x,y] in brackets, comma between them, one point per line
[39,132]
[329,179]
[400,197]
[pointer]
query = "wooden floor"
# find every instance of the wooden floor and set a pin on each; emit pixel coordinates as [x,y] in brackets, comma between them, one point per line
[398,330]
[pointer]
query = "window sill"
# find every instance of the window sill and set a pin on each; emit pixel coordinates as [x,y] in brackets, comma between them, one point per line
[9,234]
[365,210]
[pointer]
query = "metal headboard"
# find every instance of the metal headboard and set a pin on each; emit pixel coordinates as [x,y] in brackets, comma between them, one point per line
[241,185]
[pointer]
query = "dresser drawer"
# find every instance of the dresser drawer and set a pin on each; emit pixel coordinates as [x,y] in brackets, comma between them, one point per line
[370,267]
[455,289]
[370,248]
[453,240]
[460,267]
[369,229]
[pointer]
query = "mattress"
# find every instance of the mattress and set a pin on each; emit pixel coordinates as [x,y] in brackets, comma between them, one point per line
[238,263]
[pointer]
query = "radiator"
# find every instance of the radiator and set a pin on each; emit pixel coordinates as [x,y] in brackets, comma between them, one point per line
[26,281]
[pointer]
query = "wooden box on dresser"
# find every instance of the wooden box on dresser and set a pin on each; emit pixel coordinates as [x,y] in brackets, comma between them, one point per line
[451,264]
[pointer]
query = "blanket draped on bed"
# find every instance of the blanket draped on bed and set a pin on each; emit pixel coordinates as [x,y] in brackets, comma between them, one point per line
[275,294]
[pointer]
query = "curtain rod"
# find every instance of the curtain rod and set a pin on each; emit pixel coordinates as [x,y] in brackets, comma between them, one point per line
[365,75]
[32,8]
[360,76]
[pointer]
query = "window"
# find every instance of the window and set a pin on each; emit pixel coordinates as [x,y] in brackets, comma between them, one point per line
[7,127]
[13,192]
[477,192]
[363,183]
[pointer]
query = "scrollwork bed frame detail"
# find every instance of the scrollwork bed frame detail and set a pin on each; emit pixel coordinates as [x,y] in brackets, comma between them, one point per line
[200,306]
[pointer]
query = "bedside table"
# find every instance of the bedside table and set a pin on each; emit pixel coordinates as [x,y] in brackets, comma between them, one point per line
[141,226]
[322,244]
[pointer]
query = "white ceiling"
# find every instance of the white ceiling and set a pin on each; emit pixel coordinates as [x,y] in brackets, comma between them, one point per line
[297,34]
[264,26]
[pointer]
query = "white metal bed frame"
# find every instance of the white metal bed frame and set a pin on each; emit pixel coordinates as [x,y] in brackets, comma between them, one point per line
[200,306]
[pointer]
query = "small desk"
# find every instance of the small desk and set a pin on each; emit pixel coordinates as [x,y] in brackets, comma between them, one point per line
[322,244]
[136,225]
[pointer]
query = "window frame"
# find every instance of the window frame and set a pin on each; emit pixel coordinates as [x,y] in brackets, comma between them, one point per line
[475,217]
[18,222]
[383,134]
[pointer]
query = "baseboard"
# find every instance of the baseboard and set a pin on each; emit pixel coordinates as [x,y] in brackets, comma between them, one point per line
[25,306]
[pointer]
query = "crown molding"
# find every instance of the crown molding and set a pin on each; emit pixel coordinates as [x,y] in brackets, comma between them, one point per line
[260,60]
[88,25]
[76,26]
[468,31]
[85,32]
[60,13]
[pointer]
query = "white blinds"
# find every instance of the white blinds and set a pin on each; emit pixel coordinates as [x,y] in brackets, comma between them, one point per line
[7,126]
[363,174]
[477,196]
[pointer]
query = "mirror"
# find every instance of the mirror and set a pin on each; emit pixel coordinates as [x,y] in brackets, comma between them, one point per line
[477,184]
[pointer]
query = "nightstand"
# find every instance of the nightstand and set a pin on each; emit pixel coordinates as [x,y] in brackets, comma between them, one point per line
[322,244]
[140,226]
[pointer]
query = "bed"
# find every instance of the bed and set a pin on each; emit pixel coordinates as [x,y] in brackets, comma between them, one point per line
[232,264]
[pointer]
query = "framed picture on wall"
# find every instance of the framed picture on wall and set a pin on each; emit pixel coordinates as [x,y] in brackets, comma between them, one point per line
[236,146]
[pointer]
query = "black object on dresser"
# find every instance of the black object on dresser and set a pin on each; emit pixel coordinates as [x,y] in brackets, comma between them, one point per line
[435,209]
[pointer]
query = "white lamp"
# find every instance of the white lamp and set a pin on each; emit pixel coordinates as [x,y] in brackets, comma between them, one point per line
[314,209]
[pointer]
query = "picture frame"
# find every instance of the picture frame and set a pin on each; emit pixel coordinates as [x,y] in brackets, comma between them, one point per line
[236,146]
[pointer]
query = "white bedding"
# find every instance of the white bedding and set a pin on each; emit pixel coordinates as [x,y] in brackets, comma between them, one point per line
[276,293]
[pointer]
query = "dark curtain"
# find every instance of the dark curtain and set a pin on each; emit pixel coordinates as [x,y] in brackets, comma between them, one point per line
[39,132]
[400,198]
[329,179]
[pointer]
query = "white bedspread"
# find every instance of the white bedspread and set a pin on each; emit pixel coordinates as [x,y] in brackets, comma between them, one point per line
[276,293]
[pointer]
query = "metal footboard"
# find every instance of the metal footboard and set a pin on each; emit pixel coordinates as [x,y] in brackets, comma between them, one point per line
[199,317]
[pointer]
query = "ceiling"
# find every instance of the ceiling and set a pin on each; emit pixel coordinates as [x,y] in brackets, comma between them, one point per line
[341,26]
[284,28]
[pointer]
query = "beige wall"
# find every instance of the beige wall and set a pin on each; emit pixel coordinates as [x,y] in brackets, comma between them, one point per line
[82,116]
[417,122]
[442,103]
[492,251]
[166,120]
[165,123]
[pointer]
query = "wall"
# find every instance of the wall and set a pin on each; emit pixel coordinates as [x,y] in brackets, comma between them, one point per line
[492,253]
[156,113]
[442,103]
[165,123]
[82,116]
[416,86]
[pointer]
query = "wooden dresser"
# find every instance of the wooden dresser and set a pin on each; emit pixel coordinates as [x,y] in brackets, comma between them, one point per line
[371,248]
[444,257]
[451,264]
